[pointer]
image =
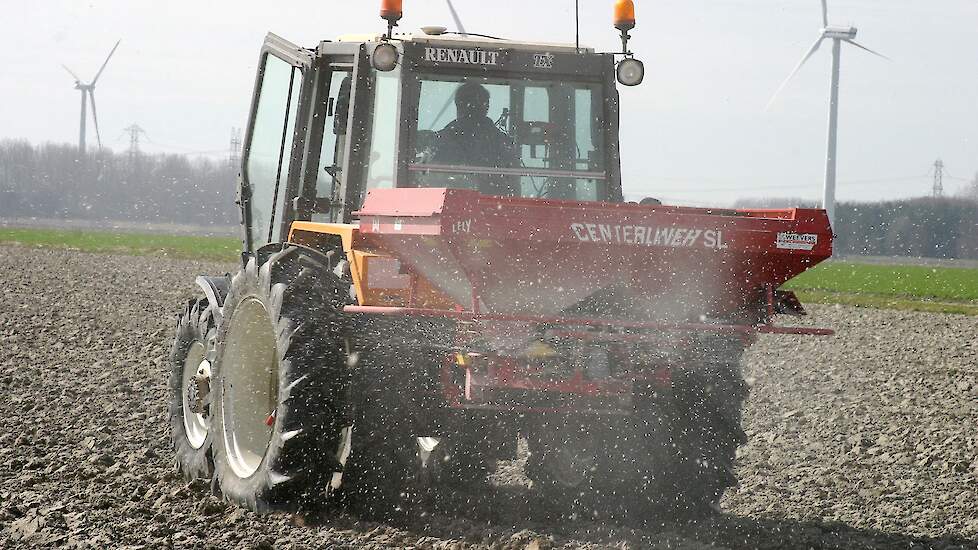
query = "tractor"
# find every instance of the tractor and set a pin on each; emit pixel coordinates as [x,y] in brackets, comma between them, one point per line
[439,271]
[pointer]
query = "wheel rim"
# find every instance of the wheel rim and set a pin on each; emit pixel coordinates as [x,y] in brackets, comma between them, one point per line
[250,386]
[194,425]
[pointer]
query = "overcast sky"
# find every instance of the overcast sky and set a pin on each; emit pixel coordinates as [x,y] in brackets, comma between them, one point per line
[695,132]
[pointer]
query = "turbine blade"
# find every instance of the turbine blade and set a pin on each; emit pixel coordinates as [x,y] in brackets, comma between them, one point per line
[99,73]
[458,22]
[825,13]
[72,73]
[797,68]
[98,136]
[861,47]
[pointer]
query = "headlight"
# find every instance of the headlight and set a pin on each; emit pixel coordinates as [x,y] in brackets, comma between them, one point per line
[630,71]
[384,57]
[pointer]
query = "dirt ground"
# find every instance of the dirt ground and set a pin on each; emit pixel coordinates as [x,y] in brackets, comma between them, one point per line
[863,440]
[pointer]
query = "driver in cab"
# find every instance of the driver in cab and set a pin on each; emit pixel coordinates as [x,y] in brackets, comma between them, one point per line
[473,139]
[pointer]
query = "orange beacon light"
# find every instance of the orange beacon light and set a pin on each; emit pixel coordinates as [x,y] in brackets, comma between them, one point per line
[391,10]
[624,15]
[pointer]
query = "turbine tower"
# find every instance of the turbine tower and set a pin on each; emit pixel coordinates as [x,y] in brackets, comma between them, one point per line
[838,35]
[88,92]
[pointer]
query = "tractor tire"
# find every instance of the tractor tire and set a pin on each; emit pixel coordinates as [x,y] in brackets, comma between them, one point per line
[394,470]
[381,481]
[454,472]
[675,454]
[451,463]
[282,421]
[703,424]
[192,353]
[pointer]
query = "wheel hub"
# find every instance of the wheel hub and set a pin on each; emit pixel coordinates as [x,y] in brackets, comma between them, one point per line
[199,390]
[196,391]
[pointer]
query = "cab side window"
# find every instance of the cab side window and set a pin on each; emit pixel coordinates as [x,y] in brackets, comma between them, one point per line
[270,147]
[336,109]
[380,173]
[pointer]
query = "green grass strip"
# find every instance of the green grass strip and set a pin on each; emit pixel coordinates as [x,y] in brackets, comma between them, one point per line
[900,287]
[932,283]
[225,249]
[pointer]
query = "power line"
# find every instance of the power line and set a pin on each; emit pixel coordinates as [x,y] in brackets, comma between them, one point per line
[184,150]
[948,175]
[212,152]
[779,187]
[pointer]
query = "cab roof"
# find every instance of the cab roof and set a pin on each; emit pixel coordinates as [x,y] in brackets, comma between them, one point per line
[466,40]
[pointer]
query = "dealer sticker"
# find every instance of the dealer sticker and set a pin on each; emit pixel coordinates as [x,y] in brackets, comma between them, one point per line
[796,241]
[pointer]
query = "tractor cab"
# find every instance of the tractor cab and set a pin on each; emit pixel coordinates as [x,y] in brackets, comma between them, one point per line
[504,118]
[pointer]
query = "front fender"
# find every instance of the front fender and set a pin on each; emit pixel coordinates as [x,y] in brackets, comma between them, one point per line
[216,290]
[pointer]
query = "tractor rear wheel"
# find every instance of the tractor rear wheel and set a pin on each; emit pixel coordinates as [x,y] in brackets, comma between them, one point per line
[674,454]
[691,433]
[187,393]
[703,423]
[282,422]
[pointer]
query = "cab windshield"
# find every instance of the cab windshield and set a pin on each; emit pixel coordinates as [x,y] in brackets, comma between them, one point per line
[529,138]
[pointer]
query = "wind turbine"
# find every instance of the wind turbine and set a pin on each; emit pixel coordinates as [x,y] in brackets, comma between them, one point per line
[838,35]
[88,92]
[455,17]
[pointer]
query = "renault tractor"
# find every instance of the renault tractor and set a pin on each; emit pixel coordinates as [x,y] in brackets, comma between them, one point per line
[439,271]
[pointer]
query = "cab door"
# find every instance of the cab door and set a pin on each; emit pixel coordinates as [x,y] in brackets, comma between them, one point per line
[274,140]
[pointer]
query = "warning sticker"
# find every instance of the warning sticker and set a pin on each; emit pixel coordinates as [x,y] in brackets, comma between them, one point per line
[796,241]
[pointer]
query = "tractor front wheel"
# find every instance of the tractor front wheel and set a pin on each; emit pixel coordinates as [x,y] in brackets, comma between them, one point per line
[187,390]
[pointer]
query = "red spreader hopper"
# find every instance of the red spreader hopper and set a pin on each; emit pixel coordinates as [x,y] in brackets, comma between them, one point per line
[613,264]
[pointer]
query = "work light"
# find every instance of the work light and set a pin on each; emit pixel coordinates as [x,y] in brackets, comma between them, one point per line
[384,57]
[630,71]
